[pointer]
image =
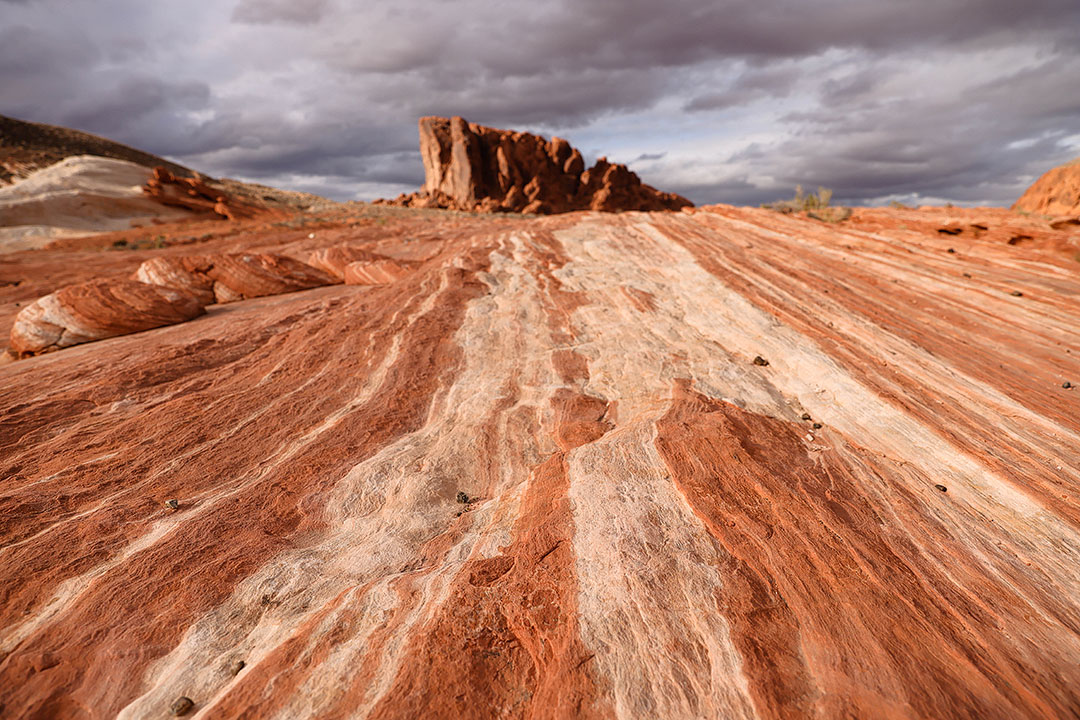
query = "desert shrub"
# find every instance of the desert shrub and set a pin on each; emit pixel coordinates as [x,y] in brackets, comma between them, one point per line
[802,201]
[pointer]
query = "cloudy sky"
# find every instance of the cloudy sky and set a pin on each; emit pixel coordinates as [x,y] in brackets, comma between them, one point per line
[917,100]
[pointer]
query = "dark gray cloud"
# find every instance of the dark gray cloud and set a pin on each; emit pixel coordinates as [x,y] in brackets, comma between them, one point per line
[962,100]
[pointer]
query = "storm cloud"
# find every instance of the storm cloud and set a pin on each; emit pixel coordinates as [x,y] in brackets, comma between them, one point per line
[927,100]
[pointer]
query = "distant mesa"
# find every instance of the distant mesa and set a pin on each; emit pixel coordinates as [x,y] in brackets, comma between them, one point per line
[1055,193]
[476,168]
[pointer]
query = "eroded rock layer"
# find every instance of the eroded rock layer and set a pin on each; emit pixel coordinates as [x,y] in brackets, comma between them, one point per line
[234,276]
[727,463]
[1055,193]
[472,167]
[97,310]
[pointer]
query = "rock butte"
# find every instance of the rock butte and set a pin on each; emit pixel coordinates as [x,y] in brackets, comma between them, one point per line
[652,528]
[1055,193]
[472,167]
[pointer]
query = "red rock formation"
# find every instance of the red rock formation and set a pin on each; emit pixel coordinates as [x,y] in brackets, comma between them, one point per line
[236,276]
[541,476]
[472,167]
[191,194]
[1055,193]
[97,310]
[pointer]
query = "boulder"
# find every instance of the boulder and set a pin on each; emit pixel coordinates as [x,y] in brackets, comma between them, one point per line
[96,310]
[227,277]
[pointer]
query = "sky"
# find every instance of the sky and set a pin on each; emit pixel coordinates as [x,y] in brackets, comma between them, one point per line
[917,101]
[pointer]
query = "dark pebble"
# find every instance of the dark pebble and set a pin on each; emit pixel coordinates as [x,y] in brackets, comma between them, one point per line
[942,488]
[236,667]
[816,426]
[1017,293]
[181,706]
[1066,384]
[462,498]
[967,275]
[806,416]
[951,251]
[760,361]
[172,504]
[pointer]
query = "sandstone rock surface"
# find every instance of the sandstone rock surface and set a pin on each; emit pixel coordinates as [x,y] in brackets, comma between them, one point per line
[653,525]
[1055,193]
[333,260]
[229,277]
[97,310]
[77,196]
[375,272]
[472,167]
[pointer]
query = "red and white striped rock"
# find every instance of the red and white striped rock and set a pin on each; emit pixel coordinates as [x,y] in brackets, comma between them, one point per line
[97,310]
[376,272]
[229,277]
[334,259]
[653,529]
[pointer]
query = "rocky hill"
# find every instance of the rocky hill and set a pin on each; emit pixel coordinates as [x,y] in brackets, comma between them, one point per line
[28,146]
[472,167]
[714,463]
[1055,193]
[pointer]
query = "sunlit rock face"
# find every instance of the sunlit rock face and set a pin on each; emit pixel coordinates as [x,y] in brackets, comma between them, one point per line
[1056,193]
[472,167]
[537,471]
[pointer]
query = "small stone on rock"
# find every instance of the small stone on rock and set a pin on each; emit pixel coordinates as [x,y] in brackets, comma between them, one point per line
[806,416]
[172,504]
[181,706]
[816,426]
[1016,293]
[236,667]
[952,251]
[462,497]
[1066,384]
[758,360]
[942,488]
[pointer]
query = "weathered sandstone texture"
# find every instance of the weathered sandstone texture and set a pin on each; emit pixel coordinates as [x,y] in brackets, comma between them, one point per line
[96,310]
[375,272]
[334,259]
[229,277]
[540,475]
[472,167]
[1055,193]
